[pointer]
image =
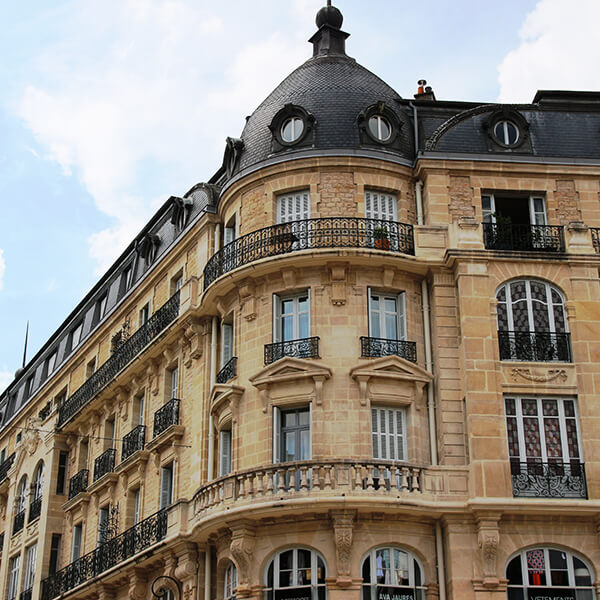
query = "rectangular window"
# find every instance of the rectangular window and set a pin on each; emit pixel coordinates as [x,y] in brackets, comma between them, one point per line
[294,206]
[224,452]
[174,382]
[543,430]
[54,553]
[226,343]
[513,209]
[103,516]
[144,314]
[291,317]
[13,577]
[388,433]
[99,309]
[126,280]
[166,486]
[83,454]
[176,282]
[77,540]
[51,363]
[229,232]
[381,206]
[75,336]
[387,315]
[292,434]
[137,502]
[90,368]
[61,475]
[30,556]
[29,386]
[139,407]
[109,433]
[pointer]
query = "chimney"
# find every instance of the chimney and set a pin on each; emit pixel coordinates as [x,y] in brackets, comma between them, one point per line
[424,91]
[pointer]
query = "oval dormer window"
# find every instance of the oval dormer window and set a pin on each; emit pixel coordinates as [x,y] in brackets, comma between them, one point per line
[380,128]
[292,129]
[506,132]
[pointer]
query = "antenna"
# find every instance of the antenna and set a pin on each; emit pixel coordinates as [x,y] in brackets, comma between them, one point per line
[25,349]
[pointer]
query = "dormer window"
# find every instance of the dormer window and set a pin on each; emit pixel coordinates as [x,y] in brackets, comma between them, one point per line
[506,132]
[291,126]
[380,128]
[507,129]
[292,129]
[378,125]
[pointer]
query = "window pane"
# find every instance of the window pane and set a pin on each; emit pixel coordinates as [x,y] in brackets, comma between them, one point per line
[289,444]
[303,326]
[303,417]
[582,574]
[513,571]
[288,328]
[290,419]
[304,445]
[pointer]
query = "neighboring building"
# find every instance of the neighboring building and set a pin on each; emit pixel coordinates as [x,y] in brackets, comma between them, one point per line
[360,362]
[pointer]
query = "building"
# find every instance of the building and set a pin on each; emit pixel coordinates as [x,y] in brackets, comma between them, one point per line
[359,362]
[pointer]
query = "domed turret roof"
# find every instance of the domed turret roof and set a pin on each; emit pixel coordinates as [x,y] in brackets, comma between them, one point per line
[334,90]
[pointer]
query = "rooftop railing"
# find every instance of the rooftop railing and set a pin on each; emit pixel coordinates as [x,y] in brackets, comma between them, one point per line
[509,236]
[327,232]
[124,354]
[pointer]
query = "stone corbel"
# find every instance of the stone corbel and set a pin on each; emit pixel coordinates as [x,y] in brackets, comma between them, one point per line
[122,398]
[363,380]
[153,374]
[170,565]
[319,380]
[388,277]
[488,539]
[137,585]
[338,276]
[342,527]
[246,291]
[289,276]
[243,540]
[265,396]
[187,567]
[123,481]
[106,592]
[193,334]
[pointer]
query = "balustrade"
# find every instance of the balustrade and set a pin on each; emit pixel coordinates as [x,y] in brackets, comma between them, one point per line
[524,237]
[35,509]
[228,371]
[18,521]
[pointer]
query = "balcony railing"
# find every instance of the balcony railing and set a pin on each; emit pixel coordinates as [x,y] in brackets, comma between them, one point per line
[228,371]
[78,483]
[506,236]
[535,346]
[374,347]
[35,509]
[144,534]
[135,440]
[105,463]
[5,467]
[26,594]
[19,521]
[303,348]
[166,416]
[125,353]
[328,232]
[548,479]
[595,231]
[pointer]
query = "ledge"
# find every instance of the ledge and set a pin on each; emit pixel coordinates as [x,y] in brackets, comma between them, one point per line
[169,435]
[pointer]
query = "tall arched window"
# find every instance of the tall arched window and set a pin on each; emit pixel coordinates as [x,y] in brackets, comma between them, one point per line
[38,482]
[548,573]
[21,497]
[531,322]
[230,582]
[392,572]
[296,573]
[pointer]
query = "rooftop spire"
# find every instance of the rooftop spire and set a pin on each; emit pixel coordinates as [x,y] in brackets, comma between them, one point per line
[330,39]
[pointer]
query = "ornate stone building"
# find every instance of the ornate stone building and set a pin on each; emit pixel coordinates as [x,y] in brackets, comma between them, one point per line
[359,362]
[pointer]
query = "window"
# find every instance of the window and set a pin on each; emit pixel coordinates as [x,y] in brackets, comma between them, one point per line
[380,128]
[381,206]
[294,206]
[103,518]
[21,497]
[229,231]
[292,129]
[230,582]
[174,382]
[144,314]
[176,282]
[506,132]
[292,434]
[51,363]
[388,433]
[90,368]
[227,341]
[139,407]
[13,577]
[548,573]
[29,386]
[99,309]
[126,280]
[38,482]
[291,317]
[30,556]
[61,477]
[392,572]
[513,209]
[387,315]
[166,486]
[75,336]
[54,553]
[77,539]
[224,452]
[109,433]
[137,504]
[296,573]
[83,454]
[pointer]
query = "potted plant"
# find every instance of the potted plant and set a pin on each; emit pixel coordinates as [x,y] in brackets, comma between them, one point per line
[380,235]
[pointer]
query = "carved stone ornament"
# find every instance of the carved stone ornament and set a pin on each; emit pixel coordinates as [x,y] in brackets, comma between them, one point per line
[31,436]
[528,375]
[242,545]
[342,526]
[137,586]
[488,538]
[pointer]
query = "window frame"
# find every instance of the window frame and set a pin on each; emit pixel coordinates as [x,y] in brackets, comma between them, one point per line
[30,563]
[144,315]
[225,452]
[13,577]
[378,204]
[275,562]
[400,314]
[77,542]
[384,438]
[295,314]
[278,431]
[227,339]
[168,468]
[488,213]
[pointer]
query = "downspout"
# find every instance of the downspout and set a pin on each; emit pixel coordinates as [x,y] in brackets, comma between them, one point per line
[441,567]
[207,581]
[213,377]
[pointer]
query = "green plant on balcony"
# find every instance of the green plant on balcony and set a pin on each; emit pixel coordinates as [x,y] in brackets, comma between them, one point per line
[380,235]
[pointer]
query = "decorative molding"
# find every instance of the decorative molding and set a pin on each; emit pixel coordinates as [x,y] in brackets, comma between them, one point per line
[529,375]
[488,539]
[243,540]
[342,526]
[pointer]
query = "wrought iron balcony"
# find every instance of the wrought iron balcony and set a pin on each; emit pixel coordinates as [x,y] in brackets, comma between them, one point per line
[374,347]
[228,371]
[19,521]
[78,483]
[302,348]
[166,415]
[35,509]
[26,594]
[535,346]
[124,354]
[595,231]
[548,479]
[144,534]
[328,232]
[5,467]
[105,463]
[508,236]
[135,440]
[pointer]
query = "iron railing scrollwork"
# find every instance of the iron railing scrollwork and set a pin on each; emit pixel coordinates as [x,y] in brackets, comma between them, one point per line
[302,348]
[35,509]
[166,415]
[535,346]
[595,231]
[19,521]
[5,467]
[141,536]
[555,479]
[78,483]
[26,594]
[122,356]
[374,347]
[135,440]
[327,232]
[524,237]
[105,463]
[228,371]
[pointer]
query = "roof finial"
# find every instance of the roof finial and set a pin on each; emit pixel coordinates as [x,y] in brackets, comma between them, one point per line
[329,15]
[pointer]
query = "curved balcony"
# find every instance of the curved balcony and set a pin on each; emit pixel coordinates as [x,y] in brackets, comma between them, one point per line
[327,232]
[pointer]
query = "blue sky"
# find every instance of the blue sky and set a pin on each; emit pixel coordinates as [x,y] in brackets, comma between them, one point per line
[108,108]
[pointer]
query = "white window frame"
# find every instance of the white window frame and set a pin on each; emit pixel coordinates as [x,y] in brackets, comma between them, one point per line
[562,419]
[103,519]
[226,343]
[230,582]
[278,315]
[293,206]
[21,499]
[141,407]
[381,206]
[169,468]
[225,452]
[137,503]
[536,217]
[387,441]
[76,335]
[77,542]
[13,578]
[38,481]
[392,574]
[401,325]
[30,558]
[174,377]
[144,315]
[52,362]
[277,431]
[314,559]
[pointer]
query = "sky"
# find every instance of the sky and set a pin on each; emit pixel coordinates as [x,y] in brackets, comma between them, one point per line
[108,108]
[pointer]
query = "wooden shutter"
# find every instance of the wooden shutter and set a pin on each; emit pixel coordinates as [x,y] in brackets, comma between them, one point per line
[293,207]
[380,206]
[387,429]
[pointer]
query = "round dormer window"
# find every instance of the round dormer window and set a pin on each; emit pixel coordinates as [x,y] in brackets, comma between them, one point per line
[292,130]
[380,128]
[506,132]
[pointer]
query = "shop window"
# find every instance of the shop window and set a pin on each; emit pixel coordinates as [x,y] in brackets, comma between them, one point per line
[296,573]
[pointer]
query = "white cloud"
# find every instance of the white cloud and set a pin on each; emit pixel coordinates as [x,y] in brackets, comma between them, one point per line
[2,268]
[557,51]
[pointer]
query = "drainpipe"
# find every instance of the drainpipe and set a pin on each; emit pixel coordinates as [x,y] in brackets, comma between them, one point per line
[441,568]
[213,377]
[429,367]
[419,200]
[207,582]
